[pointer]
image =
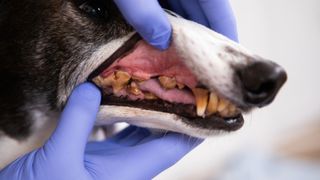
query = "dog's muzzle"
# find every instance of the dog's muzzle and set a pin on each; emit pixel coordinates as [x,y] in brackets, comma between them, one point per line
[201,84]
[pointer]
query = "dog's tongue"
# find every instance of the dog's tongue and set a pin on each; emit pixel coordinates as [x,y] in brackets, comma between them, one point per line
[173,95]
[145,62]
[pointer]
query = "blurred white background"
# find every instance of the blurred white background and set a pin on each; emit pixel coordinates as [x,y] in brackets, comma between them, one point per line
[285,31]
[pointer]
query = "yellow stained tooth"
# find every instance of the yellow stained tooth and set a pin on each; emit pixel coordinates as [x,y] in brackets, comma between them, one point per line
[134,89]
[104,82]
[110,80]
[180,86]
[223,104]
[229,111]
[225,112]
[137,79]
[121,80]
[213,104]
[150,96]
[122,77]
[98,81]
[233,110]
[167,82]
[201,96]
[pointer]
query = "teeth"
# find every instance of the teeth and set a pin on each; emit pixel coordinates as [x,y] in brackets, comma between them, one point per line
[150,96]
[223,104]
[98,81]
[180,86]
[121,80]
[213,104]
[137,79]
[117,80]
[201,100]
[232,110]
[207,104]
[105,82]
[167,82]
[229,111]
[134,89]
[225,112]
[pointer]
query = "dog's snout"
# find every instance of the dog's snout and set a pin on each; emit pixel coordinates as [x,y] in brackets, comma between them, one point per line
[261,82]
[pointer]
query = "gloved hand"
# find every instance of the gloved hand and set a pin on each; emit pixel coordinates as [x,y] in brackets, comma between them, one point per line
[132,154]
[148,18]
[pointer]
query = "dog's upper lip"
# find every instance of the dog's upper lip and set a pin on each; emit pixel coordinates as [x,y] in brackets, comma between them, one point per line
[127,46]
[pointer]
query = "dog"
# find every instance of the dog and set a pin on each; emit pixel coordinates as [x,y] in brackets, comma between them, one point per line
[201,86]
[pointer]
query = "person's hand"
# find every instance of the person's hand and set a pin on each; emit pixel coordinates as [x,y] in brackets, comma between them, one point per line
[150,21]
[132,154]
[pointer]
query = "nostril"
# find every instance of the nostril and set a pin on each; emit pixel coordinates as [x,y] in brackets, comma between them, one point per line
[261,81]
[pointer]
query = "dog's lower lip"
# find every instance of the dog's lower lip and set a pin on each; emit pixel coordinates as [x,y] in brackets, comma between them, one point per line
[185,112]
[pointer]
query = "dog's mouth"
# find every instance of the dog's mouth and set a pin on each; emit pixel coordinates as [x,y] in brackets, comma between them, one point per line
[140,76]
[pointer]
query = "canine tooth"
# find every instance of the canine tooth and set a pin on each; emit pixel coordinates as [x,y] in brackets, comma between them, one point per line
[180,86]
[134,89]
[150,96]
[201,96]
[121,80]
[213,104]
[223,104]
[167,82]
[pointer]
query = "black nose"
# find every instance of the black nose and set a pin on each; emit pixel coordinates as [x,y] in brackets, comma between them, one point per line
[261,82]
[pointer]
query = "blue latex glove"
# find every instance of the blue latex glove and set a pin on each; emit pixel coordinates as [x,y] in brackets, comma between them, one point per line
[148,18]
[132,154]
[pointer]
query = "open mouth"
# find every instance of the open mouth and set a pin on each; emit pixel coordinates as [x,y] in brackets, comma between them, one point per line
[140,76]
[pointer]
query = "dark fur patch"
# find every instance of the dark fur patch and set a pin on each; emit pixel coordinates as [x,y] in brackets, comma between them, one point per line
[38,38]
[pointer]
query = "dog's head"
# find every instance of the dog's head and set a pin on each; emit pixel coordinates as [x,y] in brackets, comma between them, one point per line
[199,86]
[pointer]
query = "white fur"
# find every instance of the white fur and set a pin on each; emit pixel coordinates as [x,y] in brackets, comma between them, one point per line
[41,130]
[205,52]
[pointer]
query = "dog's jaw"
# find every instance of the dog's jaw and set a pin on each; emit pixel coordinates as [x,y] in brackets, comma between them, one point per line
[150,119]
[210,56]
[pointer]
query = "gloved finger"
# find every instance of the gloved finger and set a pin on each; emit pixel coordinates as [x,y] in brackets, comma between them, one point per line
[176,7]
[128,137]
[135,137]
[149,20]
[194,11]
[76,122]
[122,134]
[220,16]
[149,159]
[110,142]
[95,147]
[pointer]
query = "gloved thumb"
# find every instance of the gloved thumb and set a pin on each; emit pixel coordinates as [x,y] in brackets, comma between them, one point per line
[148,19]
[153,157]
[76,122]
